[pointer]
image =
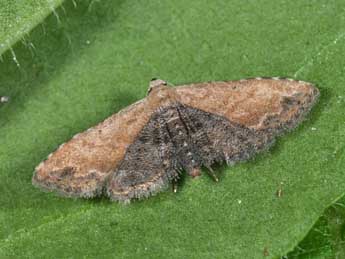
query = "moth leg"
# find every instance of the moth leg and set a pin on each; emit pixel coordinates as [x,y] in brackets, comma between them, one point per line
[174,185]
[212,174]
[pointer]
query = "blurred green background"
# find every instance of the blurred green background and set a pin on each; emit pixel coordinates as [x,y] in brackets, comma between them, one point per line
[88,59]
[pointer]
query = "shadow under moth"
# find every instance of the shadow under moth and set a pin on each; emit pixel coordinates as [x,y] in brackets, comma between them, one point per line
[145,147]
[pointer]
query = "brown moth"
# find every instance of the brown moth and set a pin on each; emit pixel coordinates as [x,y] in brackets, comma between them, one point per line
[138,151]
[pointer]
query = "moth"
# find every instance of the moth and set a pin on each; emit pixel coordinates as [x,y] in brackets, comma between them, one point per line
[145,147]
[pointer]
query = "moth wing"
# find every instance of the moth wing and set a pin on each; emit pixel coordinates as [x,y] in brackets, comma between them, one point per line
[255,103]
[148,166]
[217,139]
[81,166]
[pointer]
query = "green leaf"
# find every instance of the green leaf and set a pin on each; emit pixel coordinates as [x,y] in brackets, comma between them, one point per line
[19,17]
[99,59]
[327,238]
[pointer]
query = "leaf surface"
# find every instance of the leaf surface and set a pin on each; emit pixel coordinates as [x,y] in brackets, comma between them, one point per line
[19,17]
[99,59]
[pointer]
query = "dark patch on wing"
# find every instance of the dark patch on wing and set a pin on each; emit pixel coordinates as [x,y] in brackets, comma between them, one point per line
[180,137]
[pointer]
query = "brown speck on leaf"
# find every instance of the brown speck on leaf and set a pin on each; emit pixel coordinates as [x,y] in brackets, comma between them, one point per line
[279,192]
[145,147]
[266,253]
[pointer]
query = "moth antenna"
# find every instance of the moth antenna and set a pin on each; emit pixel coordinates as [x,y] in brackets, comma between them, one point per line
[169,83]
[166,82]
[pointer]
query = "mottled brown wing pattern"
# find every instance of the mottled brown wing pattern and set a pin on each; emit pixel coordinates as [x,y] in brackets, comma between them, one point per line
[149,163]
[260,103]
[140,150]
[219,139]
[82,166]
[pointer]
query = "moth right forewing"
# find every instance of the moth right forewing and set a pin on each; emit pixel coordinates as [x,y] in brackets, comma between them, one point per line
[252,102]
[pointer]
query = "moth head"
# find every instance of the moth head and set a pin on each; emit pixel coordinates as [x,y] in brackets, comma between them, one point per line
[156,84]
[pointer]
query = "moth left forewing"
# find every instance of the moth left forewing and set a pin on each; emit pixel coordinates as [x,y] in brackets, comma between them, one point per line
[148,165]
[81,166]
